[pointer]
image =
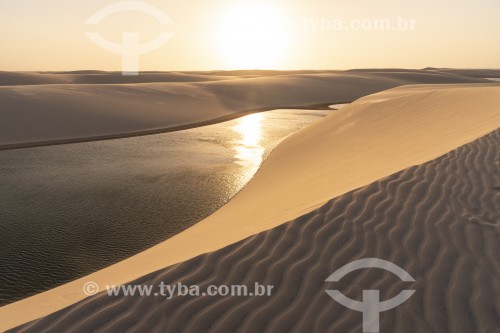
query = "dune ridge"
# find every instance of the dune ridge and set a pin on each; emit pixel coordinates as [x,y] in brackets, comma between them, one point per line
[77,107]
[438,220]
[375,137]
[104,77]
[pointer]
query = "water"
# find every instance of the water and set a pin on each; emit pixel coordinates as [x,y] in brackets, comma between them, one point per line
[67,211]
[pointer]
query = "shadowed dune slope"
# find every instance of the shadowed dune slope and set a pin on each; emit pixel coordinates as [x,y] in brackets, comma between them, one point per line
[439,221]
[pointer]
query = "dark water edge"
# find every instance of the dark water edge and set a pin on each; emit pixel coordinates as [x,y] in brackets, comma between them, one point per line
[67,211]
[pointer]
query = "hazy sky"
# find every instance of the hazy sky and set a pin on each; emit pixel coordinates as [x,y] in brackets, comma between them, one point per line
[280,34]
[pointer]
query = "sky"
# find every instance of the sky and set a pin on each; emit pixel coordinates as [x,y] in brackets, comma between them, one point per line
[50,35]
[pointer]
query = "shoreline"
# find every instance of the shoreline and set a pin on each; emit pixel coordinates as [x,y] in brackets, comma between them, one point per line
[175,128]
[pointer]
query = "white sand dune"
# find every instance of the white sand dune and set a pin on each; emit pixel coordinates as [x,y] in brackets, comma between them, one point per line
[87,109]
[438,220]
[373,138]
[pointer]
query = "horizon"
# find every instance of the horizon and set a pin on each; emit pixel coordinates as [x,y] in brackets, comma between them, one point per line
[252,70]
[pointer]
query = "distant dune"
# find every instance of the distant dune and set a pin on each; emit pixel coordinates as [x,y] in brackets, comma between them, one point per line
[376,137]
[99,77]
[49,108]
[470,72]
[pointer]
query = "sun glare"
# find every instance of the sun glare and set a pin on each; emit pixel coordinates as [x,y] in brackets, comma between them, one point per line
[248,147]
[253,36]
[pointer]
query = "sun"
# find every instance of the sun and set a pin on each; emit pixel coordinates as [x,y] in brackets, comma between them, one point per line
[253,36]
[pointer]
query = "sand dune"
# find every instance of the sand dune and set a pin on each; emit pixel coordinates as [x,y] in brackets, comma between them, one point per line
[118,78]
[29,78]
[470,72]
[103,77]
[99,77]
[438,220]
[87,109]
[373,138]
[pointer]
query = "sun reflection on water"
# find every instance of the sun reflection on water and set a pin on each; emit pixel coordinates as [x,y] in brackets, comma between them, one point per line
[249,150]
